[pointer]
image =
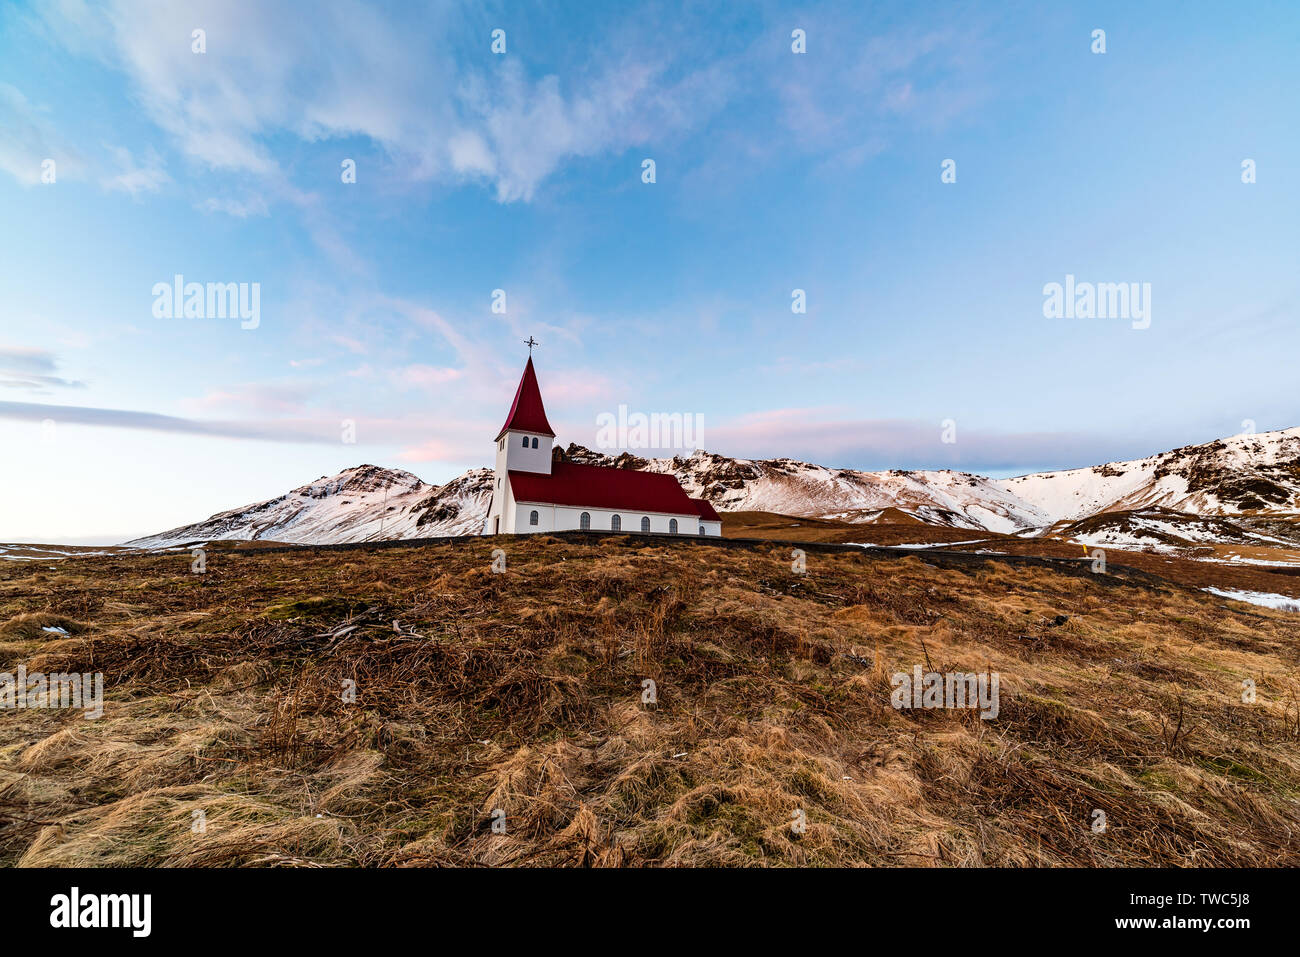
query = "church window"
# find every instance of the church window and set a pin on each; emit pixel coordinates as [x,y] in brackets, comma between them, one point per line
[645,523]
[532,517]
[672,526]
[584,521]
[525,441]
[616,523]
[701,529]
[534,443]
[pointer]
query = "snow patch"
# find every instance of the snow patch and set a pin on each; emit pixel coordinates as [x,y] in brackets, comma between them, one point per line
[1264,598]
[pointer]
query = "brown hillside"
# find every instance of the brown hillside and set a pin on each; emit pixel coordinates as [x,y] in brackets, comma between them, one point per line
[521,692]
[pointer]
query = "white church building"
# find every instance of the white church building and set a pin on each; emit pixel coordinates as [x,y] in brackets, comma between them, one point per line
[533,493]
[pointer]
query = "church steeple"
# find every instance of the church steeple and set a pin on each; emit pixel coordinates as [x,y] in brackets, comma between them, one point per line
[527,414]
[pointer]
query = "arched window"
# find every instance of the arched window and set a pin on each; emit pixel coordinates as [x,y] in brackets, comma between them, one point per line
[525,441]
[616,523]
[701,529]
[672,526]
[584,521]
[534,443]
[532,517]
[645,523]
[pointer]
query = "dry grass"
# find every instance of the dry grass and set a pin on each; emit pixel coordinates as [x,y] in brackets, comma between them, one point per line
[480,695]
[1276,572]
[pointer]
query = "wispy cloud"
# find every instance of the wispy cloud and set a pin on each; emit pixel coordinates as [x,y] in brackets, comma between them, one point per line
[283,431]
[238,208]
[843,97]
[133,176]
[425,376]
[458,441]
[352,69]
[29,140]
[261,398]
[32,370]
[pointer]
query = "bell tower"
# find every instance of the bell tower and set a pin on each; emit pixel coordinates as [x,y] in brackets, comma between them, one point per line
[523,445]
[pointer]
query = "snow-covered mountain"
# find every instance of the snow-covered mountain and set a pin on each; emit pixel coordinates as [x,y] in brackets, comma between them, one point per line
[1165,530]
[365,503]
[1232,476]
[790,487]
[1244,475]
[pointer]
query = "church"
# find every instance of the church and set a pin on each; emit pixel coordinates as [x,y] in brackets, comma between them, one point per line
[533,493]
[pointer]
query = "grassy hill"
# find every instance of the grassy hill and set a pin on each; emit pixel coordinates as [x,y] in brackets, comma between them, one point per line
[226,739]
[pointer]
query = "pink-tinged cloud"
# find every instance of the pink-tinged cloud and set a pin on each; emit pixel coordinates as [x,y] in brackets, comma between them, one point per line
[355,346]
[256,397]
[425,376]
[436,450]
[569,387]
[818,435]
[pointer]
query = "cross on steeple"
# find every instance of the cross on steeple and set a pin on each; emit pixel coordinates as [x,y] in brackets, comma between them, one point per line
[530,342]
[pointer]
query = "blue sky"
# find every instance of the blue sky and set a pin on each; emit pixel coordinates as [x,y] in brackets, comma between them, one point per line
[523,172]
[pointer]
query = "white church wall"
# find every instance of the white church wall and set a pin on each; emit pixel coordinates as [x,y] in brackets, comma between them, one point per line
[495,516]
[523,514]
[553,518]
[503,507]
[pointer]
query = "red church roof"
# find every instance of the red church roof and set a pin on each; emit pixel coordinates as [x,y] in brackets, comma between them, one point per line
[705,510]
[527,414]
[596,486]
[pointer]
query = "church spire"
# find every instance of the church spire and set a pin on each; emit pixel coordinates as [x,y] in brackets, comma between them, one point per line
[527,414]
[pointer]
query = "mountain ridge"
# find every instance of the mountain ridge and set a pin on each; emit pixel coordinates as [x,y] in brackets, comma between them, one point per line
[1242,475]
